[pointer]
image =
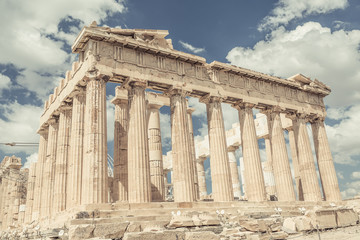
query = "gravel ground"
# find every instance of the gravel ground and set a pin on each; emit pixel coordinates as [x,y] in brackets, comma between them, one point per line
[348,233]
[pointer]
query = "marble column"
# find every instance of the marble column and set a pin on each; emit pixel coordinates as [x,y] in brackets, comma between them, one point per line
[49,169]
[222,190]
[193,153]
[95,172]
[139,187]
[76,149]
[295,162]
[30,192]
[268,169]
[155,154]
[40,171]
[309,180]
[120,191]
[254,178]
[280,161]
[235,180]
[62,153]
[325,161]
[201,177]
[4,197]
[183,179]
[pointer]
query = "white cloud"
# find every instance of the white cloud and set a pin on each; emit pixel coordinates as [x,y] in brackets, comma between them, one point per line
[110,118]
[355,175]
[165,129]
[30,159]
[343,137]
[5,82]
[287,10]
[352,189]
[340,174]
[20,125]
[313,50]
[32,40]
[191,48]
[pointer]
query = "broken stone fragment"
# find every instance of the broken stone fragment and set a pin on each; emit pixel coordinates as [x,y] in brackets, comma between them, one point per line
[254,225]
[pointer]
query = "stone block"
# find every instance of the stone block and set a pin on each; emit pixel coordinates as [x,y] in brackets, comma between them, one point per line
[209,220]
[81,231]
[289,225]
[254,225]
[110,230]
[303,223]
[201,236]
[346,217]
[134,227]
[278,235]
[322,219]
[181,221]
[154,226]
[165,235]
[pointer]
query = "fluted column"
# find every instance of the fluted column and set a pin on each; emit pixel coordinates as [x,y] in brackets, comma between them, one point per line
[120,186]
[95,174]
[40,171]
[76,149]
[295,162]
[155,154]
[139,187]
[183,179]
[270,187]
[254,179]
[4,197]
[62,153]
[235,180]
[219,161]
[309,180]
[201,177]
[192,144]
[49,170]
[30,192]
[325,161]
[280,161]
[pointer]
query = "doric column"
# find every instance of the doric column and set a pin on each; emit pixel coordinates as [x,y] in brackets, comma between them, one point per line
[155,154]
[192,144]
[76,149]
[254,178]
[235,180]
[62,153]
[295,162]
[40,170]
[183,179]
[95,173]
[201,177]
[325,162]
[280,161]
[309,180]
[49,169]
[270,187]
[139,187]
[30,192]
[219,160]
[4,196]
[120,186]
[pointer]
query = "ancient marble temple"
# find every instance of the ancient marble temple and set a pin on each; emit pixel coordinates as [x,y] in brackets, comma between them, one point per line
[72,165]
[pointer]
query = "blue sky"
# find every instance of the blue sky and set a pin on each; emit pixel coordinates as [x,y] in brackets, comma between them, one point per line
[320,39]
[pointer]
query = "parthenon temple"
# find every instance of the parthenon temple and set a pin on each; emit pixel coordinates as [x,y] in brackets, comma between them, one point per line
[72,167]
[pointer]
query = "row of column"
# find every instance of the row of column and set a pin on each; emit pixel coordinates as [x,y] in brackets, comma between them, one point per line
[277,159]
[72,160]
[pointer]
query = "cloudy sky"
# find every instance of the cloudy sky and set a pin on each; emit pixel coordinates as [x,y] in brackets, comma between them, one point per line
[320,39]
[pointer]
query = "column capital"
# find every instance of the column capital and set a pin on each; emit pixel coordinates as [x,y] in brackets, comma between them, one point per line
[232,148]
[243,105]
[43,131]
[317,118]
[64,106]
[190,110]
[78,90]
[53,120]
[176,91]
[201,159]
[208,98]
[154,106]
